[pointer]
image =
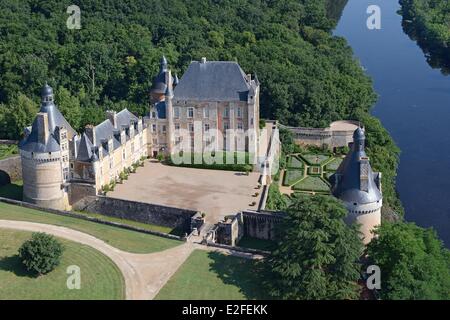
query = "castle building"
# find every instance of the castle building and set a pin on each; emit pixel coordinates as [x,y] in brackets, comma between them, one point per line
[215,98]
[359,188]
[59,166]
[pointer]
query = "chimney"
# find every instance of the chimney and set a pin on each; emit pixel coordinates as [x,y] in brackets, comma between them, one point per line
[90,132]
[112,116]
[43,133]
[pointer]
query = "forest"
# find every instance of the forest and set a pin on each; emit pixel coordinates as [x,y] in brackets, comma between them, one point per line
[427,21]
[309,77]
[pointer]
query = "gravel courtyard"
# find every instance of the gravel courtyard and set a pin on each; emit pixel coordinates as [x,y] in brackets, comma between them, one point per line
[218,193]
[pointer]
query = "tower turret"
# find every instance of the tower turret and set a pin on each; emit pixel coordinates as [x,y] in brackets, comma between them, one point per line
[45,156]
[359,187]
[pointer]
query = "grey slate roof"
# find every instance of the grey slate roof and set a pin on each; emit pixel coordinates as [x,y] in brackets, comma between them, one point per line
[84,149]
[55,119]
[349,187]
[106,129]
[213,81]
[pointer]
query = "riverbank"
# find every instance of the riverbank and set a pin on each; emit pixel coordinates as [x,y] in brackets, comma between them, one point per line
[412,106]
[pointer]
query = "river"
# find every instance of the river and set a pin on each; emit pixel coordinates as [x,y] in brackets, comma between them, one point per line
[414,106]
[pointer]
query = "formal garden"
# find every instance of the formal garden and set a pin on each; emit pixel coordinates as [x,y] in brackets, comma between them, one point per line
[310,172]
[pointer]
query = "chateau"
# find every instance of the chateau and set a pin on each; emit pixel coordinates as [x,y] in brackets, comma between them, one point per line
[214,98]
[213,107]
[57,163]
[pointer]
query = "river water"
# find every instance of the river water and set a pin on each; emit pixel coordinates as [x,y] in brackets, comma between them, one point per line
[414,106]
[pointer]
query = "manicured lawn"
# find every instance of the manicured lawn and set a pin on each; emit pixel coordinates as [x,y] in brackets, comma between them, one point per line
[292,176]
[122,239]
[14,190]
[260,244]
[334,165]
[100,278]
[295,162]
[145,226]
[312,184]
[314,159]
[214,276]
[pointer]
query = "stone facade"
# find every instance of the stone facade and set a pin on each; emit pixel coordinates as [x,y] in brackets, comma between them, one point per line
[214,106]
[54,156]
[139,211]
[10,170]
[338,134]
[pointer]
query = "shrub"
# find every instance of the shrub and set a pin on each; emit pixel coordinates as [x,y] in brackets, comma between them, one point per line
[41,254]
[160,157]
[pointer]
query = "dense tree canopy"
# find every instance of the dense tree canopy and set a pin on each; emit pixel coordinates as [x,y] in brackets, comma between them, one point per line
[317,253]
[428,22]
[414,263]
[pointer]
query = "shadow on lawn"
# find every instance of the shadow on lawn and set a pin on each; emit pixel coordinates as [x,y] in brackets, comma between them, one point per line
[13,264]
[246,274]
[12,191]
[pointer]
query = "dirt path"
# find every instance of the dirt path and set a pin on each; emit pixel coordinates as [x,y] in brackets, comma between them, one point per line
[144,274]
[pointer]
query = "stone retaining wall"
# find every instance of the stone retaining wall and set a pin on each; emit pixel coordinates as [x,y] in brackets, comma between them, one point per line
[138,211]
[90,219]
[10,170]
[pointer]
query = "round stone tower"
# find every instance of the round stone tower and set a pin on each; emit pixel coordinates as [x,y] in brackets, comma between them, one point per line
[44,155]
[359,188]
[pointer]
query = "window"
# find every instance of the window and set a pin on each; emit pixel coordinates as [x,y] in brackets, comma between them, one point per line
[154,128]
[226,112]
[191,127]
[206,112]
[190,112]
[240,126]
[177,127]
[153,114]
[206,127]
[163,128]
[178,140]
[124,154]
[239,112]
[176,112]
[226,126]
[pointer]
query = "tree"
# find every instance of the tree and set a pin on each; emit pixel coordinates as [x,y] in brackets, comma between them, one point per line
[41,254]
[414,263]
[69,107]
[21,112]
[317,253]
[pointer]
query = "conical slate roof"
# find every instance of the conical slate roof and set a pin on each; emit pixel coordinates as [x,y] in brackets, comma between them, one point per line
[85,149]
[356,180]
[55,119]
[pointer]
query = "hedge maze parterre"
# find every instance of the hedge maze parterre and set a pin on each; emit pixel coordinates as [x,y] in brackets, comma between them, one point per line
[310,173]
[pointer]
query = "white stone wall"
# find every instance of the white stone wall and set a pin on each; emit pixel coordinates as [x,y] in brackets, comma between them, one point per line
[368,216]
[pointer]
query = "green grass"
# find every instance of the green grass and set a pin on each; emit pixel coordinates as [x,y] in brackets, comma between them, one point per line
[292,176]
[145,226]
[122,239]
[334,164]
[14,190]
[228,161]
[260,244]
[100,277]
[295,162]
[214,276]
[315,159]
[312,184]
[7,150]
